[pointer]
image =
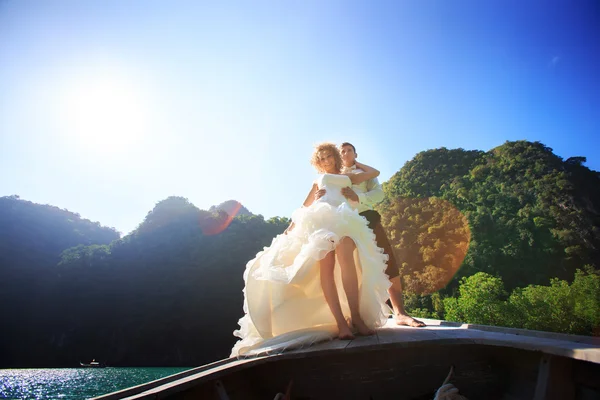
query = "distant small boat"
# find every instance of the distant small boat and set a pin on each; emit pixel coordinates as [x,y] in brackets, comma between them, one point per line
[93,364]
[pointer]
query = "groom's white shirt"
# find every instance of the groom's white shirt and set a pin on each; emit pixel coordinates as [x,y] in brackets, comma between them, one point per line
[369,192]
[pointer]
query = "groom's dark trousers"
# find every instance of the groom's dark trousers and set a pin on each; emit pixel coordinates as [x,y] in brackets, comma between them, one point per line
[381,238]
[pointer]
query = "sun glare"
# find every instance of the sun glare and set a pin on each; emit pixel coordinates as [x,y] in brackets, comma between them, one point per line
[104,114]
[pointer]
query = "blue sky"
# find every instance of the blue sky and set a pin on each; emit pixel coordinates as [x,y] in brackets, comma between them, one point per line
[107,107]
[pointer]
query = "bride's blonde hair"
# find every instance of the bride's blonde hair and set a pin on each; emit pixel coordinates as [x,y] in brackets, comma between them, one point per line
[327,146]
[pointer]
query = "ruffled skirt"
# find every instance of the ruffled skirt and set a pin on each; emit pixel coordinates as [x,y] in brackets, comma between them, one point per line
[284,304]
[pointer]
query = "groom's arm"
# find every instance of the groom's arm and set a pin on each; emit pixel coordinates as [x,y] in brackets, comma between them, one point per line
[366,174]
[373,195]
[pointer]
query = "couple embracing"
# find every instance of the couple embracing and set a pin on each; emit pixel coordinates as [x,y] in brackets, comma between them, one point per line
[331,272]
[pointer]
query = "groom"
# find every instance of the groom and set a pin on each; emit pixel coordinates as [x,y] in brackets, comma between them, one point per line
[366,195]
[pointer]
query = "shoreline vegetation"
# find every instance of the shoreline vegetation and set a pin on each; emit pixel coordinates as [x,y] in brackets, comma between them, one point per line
[508,237]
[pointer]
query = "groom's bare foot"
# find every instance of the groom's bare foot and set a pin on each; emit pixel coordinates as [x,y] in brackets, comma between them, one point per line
[345,332]
[403,319]
[361,327]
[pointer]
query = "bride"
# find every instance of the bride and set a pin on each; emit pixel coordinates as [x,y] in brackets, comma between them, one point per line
[324,271]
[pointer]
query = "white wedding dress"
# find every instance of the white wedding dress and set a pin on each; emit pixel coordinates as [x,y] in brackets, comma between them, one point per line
[284,304]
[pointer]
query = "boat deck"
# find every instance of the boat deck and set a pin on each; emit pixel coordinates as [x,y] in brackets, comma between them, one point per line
[585,348]
[542,359]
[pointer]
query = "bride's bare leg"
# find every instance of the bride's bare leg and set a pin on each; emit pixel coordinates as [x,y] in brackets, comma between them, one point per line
[331,295]
[345,254]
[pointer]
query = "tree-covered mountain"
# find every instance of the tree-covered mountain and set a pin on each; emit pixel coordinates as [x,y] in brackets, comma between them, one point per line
[34,234]
[32,238]
[170,292]
[231,207]
[532,216]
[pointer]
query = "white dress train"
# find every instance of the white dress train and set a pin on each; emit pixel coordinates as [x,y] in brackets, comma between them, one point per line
[284,304]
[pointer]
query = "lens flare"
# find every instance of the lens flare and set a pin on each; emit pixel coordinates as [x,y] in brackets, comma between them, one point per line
[430,238]
[217,222]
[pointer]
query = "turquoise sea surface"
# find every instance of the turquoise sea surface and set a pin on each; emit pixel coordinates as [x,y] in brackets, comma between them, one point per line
[74,383]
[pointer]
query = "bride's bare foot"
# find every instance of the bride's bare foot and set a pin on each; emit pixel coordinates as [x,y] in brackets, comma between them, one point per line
[361,327]
[345,332]
[403,319]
